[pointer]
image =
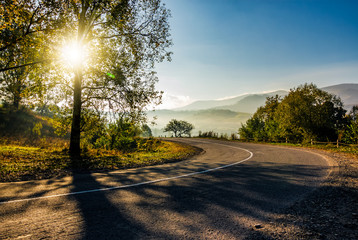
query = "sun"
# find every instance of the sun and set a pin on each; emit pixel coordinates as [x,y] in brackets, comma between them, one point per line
[73,53]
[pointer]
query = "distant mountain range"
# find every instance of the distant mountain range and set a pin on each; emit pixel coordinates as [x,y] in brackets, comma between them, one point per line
[226,116]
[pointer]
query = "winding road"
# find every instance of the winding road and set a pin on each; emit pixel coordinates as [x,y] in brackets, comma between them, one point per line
[220,194]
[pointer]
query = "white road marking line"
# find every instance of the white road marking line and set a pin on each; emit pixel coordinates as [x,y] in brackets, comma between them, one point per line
[141,183]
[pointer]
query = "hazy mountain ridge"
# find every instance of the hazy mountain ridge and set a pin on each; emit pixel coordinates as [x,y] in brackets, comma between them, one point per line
[250,103]
[226,116]
[348,92]
[227,103]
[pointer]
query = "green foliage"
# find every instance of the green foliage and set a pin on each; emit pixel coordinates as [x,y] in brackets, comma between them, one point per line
[22,122]
[118,135]
[215,135]
[208,134]
[146,131]
[179,128]
[24,40]
[224,136]
[36,130]
[254,128]
[310,113]
[61,120]
[305,113]
[122,135]
[25,127]
[350,132]
[263,125]
[148,145]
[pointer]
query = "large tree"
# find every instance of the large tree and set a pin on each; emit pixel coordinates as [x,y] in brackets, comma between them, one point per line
[112,47]
[179,127]
[308,112]
[129,36]
[305,113]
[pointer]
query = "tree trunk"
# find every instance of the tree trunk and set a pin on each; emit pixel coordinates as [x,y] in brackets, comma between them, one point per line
[75,148]
[17,98]
[16,102]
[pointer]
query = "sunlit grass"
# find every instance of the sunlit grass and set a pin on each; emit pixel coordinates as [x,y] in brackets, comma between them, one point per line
[21,163]
[26,163]
[111,159]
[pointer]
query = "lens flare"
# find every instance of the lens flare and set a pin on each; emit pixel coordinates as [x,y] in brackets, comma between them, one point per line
[111,75]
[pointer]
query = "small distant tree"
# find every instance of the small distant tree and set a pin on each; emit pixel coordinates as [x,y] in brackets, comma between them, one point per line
[179,128]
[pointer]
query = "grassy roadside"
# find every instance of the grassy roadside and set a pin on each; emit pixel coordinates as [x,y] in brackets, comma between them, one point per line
[18,163]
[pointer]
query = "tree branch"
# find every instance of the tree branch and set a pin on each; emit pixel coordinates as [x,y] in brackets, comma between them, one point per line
[26,64]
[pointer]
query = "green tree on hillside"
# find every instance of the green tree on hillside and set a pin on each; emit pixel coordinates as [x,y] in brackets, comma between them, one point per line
[179,128]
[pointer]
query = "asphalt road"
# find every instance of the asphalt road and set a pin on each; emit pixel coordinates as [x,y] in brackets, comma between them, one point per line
[248,184]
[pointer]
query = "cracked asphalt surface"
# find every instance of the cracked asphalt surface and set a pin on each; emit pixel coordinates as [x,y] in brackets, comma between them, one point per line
[221,204]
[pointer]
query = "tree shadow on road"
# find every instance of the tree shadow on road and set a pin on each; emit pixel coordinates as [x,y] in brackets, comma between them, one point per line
[224,204]
[102,219]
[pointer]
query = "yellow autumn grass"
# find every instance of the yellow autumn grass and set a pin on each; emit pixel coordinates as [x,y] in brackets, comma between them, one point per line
[27,163]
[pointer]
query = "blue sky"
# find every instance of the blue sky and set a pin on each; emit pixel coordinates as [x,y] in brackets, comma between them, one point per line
[226,48]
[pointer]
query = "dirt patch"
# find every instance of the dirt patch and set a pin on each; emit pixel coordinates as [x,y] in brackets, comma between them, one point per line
[329,212]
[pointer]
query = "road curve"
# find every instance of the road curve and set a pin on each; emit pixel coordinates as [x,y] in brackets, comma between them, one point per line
[220,194]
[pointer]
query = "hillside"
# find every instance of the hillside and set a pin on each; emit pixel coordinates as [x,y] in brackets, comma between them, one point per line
[26,127]
[22,122]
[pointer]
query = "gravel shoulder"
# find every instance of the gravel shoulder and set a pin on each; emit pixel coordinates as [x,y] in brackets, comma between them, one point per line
[329,212]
